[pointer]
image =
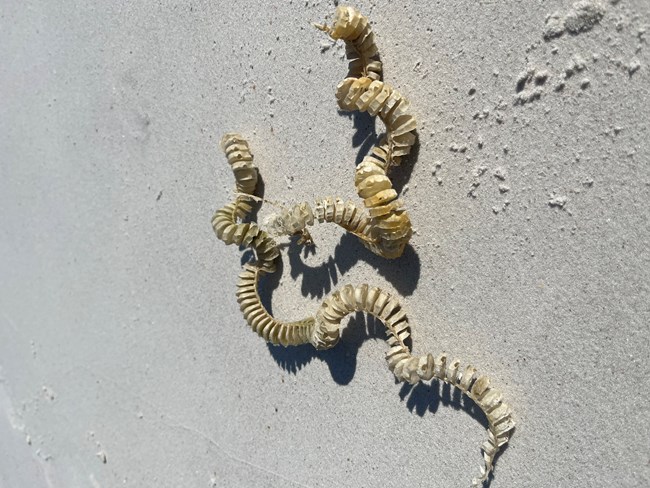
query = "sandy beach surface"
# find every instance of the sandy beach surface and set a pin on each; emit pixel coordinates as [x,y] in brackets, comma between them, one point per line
[124,358]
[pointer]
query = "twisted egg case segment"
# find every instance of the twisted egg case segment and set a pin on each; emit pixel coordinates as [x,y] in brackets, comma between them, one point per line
[382,225]
[385,230]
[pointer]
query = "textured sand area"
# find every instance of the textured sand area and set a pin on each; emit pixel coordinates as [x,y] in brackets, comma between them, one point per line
[124,358]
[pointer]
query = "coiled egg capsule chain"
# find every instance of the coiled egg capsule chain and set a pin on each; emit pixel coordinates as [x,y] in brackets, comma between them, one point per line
[386,227]
[323,330]
[363,89]
[229,230]
[295,219]
[413,369]
[353,27]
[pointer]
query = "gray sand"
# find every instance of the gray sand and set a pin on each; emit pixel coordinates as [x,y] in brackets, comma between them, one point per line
[124,358]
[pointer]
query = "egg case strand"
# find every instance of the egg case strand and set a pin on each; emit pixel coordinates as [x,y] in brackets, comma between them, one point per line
[323,330]
[354,28]
[387,229]
[229,230]
[413,369]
